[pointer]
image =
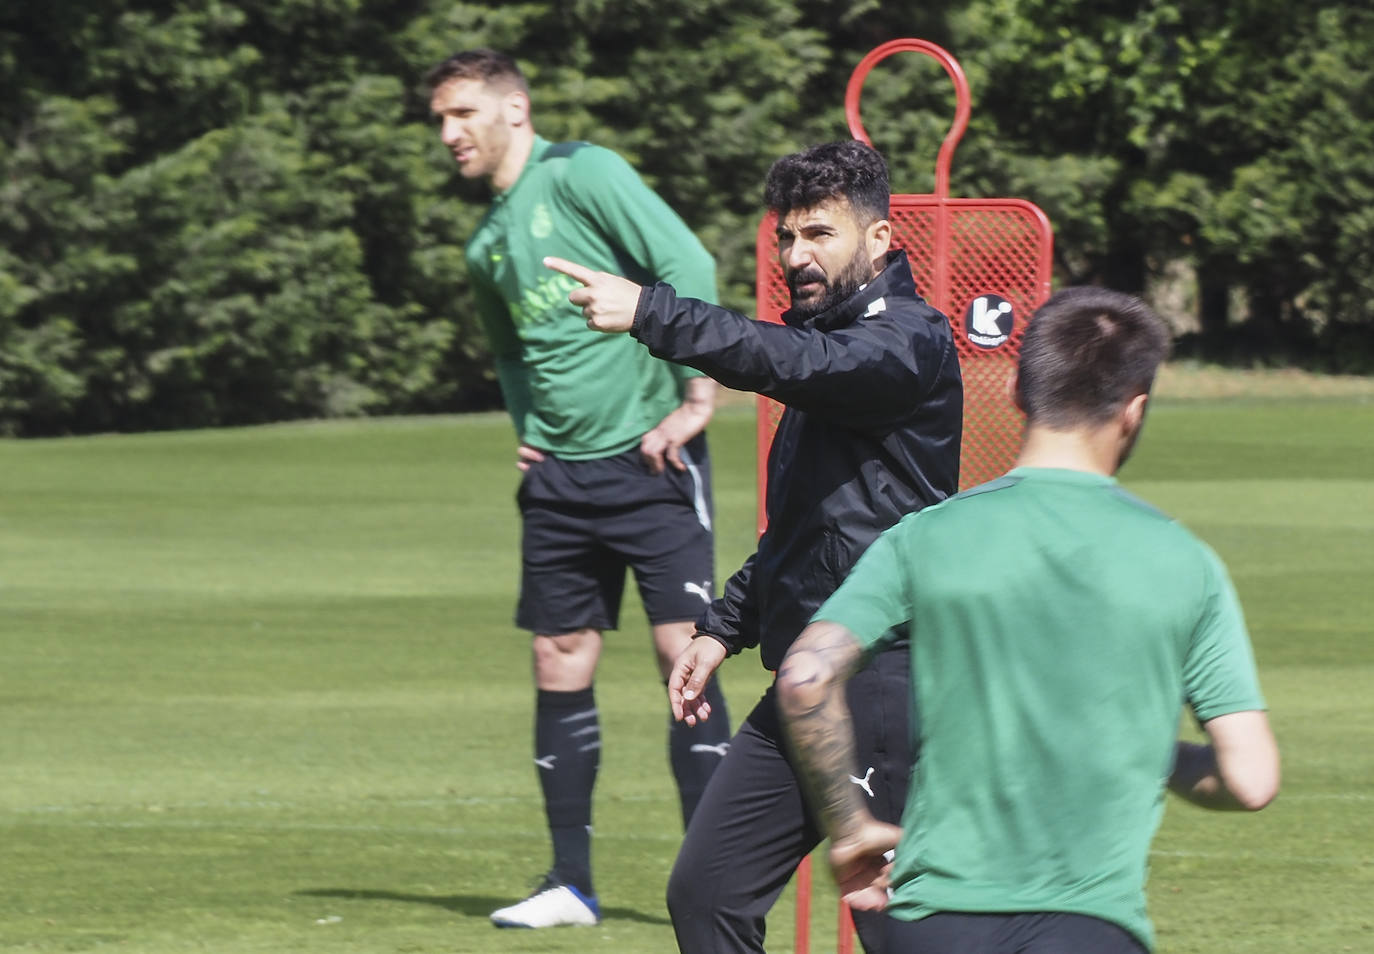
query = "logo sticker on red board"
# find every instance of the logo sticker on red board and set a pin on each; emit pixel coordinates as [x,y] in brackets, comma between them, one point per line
[988,321]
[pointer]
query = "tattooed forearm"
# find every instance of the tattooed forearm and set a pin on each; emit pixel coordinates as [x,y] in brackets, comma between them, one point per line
[811,683]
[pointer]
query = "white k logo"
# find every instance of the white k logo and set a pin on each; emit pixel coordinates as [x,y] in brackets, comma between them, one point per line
[985,321]
[863,782]
[546,762]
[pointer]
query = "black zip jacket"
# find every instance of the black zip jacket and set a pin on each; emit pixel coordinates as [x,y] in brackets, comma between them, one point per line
[870,432]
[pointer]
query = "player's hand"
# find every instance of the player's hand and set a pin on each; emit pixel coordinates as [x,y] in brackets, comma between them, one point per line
[526,455]
[608,302]
[662,446]
[655,448]
[862,864]
[687,681]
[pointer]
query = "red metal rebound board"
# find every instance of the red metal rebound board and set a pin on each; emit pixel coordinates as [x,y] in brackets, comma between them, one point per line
[983,262]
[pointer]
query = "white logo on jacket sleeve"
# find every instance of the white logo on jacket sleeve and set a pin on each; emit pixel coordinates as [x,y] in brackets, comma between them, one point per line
[875,306]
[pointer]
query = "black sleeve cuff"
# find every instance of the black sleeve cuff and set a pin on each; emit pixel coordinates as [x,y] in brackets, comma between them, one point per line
[645,293]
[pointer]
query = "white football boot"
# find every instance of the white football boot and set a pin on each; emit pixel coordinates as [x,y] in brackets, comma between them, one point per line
[553,904]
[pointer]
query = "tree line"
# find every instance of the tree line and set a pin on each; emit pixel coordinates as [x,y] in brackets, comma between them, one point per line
[218,212]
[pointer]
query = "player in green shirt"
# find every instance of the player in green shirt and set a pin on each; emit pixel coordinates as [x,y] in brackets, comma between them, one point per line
[1058,625]
[616,472]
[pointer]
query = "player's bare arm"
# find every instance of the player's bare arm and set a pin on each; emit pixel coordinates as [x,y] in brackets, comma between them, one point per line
[811,683]
[1237,771]
[686,682]
[816,715]
[608,302]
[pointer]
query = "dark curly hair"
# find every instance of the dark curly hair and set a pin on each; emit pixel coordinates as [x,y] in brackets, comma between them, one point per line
[849,169]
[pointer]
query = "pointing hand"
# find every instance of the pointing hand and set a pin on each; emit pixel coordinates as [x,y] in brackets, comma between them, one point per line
[608,302]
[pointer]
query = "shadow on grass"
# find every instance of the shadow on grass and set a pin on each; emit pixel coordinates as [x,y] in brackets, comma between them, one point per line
[470,905]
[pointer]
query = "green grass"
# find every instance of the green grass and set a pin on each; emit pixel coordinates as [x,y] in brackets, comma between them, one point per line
[259,691]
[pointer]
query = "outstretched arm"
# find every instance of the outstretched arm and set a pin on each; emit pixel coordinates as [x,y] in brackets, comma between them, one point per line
[816,716]
[869,373]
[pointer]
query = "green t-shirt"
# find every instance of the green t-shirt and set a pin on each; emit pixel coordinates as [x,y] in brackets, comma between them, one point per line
[1058,625]
[570,390]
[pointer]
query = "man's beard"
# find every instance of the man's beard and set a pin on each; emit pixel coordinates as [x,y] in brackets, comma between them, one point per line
[857,273]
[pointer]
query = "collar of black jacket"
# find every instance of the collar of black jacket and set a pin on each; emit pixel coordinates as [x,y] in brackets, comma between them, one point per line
[895,279]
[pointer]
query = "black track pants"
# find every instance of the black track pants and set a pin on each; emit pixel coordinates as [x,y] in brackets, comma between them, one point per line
[752,827]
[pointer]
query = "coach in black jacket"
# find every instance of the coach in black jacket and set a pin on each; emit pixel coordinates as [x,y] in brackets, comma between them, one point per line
[870,432]
[869,378]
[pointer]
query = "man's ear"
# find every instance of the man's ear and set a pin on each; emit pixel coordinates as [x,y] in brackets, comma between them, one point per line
[1014,390]
[515,106]
[1133,415]
[878,238]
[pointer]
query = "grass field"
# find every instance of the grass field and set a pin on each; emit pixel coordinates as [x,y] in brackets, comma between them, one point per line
[259,690]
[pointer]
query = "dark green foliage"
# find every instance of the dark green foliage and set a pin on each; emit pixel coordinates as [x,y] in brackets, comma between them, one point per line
[226,211]
[1223,137]
[217,214]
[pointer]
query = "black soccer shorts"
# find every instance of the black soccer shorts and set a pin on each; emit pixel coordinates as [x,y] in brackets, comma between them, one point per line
[586,521]
[1030,933]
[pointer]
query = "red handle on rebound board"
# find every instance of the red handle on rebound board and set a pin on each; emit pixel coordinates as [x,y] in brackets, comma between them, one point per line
[961,109]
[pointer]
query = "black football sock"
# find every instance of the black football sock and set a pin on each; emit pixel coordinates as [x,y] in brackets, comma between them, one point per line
[567,750]
[695,751]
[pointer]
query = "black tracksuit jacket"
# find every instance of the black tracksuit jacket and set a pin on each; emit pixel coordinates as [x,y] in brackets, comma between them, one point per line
[870,432]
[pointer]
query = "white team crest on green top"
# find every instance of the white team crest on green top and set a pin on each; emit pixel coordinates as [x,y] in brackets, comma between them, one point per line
[541,224]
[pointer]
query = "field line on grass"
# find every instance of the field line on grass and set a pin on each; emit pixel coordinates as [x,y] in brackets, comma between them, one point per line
[277,804]
[461,800]
[456,800]
[163,824]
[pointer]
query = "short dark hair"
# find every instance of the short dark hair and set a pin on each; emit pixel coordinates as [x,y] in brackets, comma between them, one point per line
[849,170]
[486,65]
[1086,353]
